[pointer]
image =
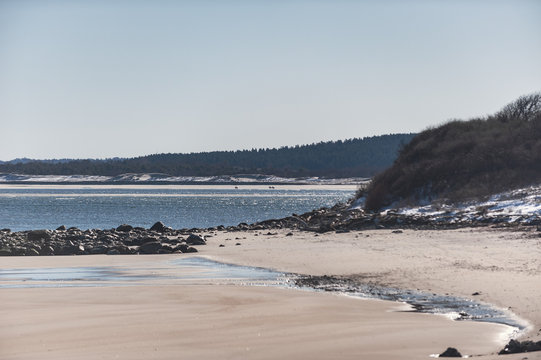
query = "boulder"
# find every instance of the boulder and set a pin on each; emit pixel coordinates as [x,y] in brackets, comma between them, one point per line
[183,248]
[46,250]
[451,352]
[195,240]
[5,251]
[38,235]
[150,247]
[515,347]
[159,227]
[124,228]
[61,228]
[31,252]
[100,249]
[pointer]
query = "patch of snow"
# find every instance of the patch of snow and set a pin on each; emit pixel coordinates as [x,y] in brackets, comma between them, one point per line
[515,206]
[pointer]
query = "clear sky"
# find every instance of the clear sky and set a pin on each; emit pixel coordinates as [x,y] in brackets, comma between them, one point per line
[105,78]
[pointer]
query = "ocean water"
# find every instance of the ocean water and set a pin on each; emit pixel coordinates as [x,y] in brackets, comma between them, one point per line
[25,207]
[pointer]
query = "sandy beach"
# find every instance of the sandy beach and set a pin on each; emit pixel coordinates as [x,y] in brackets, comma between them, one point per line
[219,321]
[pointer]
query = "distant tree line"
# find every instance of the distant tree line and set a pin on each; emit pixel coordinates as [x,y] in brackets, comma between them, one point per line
[359,157]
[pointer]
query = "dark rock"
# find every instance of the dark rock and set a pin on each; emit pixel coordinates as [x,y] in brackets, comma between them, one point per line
[221,245]
[6,230]
[164,251]
[476,293]
[18,251]
[124,228]
[289,234]
[61,228]
[515,347]
[113,252]
[159,227]
[190,250]
[5,251]
[31,252]
[450,352]
[100,249]
[397,231]
[150,247]
[147,240]
[71,250]
[237,244]
[46,250]
[37,235]
[183,248]
[195,240]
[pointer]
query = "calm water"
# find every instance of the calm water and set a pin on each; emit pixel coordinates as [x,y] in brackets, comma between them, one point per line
[86,207]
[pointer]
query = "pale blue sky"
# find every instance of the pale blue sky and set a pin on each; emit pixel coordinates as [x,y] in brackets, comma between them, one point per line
[112,78]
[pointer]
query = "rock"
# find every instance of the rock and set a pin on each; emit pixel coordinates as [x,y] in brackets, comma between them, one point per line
[183,248]
[221,245]
[195,240]
[31,252]
[397,231]
[5,251]
[6,230]
[71,250]
[37,235]
[159,227]
[124,228]
[113,252]
[450,352]
[147,240]
[289,234]
[46,250]
[476,293]
[100,249]
[61,228]
[150,247]
[515,347]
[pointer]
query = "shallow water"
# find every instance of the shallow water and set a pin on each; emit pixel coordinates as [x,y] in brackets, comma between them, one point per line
[182,271]
[105,207]
[199,270]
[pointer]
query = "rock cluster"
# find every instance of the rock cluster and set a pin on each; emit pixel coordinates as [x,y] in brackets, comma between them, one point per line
[340,218]
[515,347]
[125,239]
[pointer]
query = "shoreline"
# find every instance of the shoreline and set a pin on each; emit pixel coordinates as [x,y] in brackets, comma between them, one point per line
[502,266]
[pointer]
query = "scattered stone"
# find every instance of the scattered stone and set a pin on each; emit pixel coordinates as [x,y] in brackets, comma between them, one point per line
[237,244]
[397,231]
[195,240]
[221,245]
[124,228]
[61,228]
[289,234]
[476,293]
[451,352]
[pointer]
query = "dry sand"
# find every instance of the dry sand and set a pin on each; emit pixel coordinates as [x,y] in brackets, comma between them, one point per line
[183,321]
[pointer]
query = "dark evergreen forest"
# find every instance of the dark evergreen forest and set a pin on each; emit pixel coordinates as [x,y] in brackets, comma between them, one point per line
[360,157]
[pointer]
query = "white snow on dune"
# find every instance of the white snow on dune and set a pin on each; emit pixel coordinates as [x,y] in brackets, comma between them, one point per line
[521,205]
[164,178]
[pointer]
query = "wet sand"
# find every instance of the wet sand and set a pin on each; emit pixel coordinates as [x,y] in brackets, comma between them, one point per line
[179,320]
